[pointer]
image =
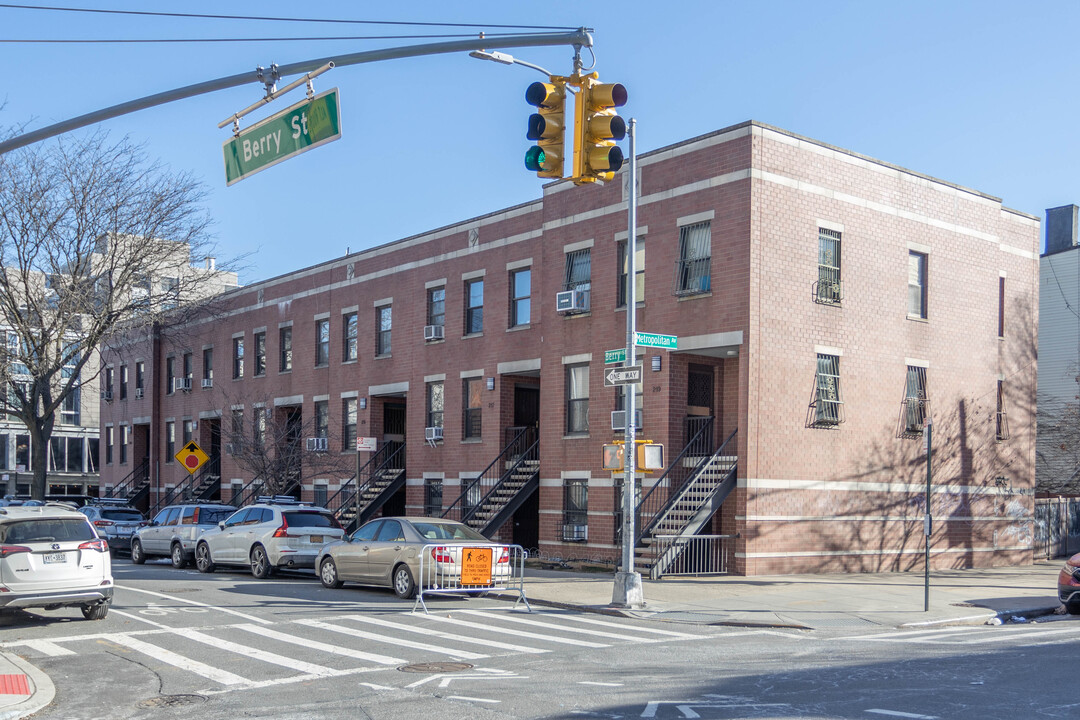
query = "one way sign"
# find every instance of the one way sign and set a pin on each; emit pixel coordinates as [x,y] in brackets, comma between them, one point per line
[622,376]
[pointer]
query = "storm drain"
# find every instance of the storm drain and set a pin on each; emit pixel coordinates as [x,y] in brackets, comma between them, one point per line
[436,667]
[168,701]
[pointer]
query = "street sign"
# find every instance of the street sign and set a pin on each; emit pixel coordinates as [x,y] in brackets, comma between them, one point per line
[626,375]
[614,356]
[475,566]
[365,444]
[191,457]
[668,342]
[305,125]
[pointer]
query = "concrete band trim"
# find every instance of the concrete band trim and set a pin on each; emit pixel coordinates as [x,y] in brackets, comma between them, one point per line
[884,553]
[860,486]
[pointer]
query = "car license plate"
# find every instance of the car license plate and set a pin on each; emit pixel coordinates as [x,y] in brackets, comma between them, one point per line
[51,558]
[316,538]
[123,530]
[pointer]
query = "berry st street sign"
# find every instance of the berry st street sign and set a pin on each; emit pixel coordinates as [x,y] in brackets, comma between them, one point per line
[627,375]
[297,129]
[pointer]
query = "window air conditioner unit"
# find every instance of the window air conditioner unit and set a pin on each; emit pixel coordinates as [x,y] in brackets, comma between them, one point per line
[208,383]
[576,300]
[575,533]
[233,448]
[434,332]
[106,395]
[431,434]
[138,393]
[317,444]
[181,383]
[618,419]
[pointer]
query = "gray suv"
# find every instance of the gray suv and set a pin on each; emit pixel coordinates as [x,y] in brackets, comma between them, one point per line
[173,532]
[116,521]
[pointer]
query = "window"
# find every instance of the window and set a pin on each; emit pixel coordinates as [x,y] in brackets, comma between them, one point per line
[916,404]
[474,306]
[348,424]
[473,407]
[75,455]
[383,319]
[260,353]
[639,271]
[693,268]
[433,503]
[916,306]
[434,404]
[285,343]
[108,446]
[69,409]
[319,495]
[238,358]
[93,451]
[1001,307]
[140,376]
[829,290]
[575,510]
[208,366]
[348,337]
[259,434]
[187,431]
[436,306]
[827,403]
[322,342]
[125,433]
[520,289]
[109,381]
[189,369]
[170,375]
[123,382]
[1002,427]
[322,418]
[170,440]
[4,438]
[577,399]
[578,274]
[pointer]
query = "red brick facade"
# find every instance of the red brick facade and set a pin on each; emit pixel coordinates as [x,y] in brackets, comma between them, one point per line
[809,498]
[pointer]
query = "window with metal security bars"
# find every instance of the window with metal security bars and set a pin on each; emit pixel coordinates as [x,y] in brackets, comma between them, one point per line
[577,274]
[693,269]
[1002,424]
[575,510]
[828,289]
[433,499]
[827,403]
[916,402]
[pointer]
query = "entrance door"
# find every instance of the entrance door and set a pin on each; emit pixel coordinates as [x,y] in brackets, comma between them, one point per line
[393,422]
[699,406]
[526,405]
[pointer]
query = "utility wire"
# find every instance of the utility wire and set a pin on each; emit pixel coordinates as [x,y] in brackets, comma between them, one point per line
[276,19]
[249,39]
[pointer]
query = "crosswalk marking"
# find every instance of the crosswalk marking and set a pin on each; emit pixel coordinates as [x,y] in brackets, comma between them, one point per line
[168,657]
[230,611]
[608,623]
[272,658]
[970,635]
[554,626]
[47,648]
[324,647]
[443,635]
[452,652]
[519,633]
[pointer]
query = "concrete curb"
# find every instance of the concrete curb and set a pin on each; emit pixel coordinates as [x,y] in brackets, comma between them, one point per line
[42,690]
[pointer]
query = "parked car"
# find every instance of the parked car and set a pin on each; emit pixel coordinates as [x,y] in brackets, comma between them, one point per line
[386,552]
[268,535]
[173,532]
[115,520]
[1069,585]
[52,557]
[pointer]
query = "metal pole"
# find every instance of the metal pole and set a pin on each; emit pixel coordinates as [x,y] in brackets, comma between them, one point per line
[356,490]
[627,592]
[928,524]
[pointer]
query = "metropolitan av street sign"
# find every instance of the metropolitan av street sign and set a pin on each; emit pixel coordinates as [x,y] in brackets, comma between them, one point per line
[627,375]
[305,125]
[668,342]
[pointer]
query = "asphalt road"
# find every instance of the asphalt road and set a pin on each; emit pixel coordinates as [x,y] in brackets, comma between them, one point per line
[182,644]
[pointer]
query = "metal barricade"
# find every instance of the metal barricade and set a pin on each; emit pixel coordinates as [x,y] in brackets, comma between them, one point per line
[456,568]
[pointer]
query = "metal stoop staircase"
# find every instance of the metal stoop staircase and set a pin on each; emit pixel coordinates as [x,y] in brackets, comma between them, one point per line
[488,501]
[684,500]
[200,486]
[380,477]
[135,487]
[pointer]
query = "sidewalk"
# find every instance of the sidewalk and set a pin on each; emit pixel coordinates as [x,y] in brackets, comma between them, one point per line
[817,601]
[23,688]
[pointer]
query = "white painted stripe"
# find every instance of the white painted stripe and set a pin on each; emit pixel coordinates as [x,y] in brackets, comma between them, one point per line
[555,626]
[445,635]
[897,713]
[170,658]
[256,654]
[607,623]
[518,633]
[142,619]
[602,684]
[324,647]
[471,699]
[391,640]
[373,686]
[1008,635]
[199,604]
[911,634]
[47,648]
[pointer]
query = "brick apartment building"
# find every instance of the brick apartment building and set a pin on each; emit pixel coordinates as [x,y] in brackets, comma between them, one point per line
[826,305]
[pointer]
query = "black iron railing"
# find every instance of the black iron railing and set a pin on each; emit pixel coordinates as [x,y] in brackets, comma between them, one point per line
[391,456]
[210,470]
[129,485]
[476,489]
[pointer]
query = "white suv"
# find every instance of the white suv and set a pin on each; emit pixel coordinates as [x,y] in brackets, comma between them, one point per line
[268,535]
[51,557]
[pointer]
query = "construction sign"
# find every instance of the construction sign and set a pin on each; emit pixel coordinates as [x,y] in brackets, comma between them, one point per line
[475,566]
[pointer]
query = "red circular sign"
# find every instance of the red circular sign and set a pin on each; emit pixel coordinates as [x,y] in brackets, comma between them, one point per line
[192,461]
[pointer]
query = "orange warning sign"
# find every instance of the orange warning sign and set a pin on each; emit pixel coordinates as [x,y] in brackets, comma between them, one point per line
[475,566]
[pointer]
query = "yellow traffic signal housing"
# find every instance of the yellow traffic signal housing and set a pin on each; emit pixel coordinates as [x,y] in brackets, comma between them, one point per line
[547,127]
[596,128]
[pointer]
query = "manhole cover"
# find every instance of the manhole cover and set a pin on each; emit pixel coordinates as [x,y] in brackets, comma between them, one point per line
[172,701]
[435,667]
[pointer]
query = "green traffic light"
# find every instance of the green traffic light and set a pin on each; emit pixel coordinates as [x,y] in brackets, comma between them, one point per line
[534,158]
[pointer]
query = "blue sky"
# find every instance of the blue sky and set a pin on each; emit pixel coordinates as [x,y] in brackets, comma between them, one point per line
[982,94]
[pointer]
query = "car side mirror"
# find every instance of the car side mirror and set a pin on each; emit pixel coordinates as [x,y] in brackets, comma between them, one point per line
[221,524]
[153,523]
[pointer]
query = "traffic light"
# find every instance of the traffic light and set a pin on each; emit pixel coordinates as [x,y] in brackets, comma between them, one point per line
[596,128]
[546,127]
[613,457]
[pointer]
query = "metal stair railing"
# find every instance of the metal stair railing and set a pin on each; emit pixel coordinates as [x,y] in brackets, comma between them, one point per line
[389,457]
[377,496]
[212,468]
[491,524]
[491,476]
[254,489]
[129,484]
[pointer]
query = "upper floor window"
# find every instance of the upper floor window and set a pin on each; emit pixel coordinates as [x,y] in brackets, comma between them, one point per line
[140,377]
[188,431]
[260,353]
[829,290]
[322,342]
[170,440]
[520,290]
[322,418]
[436,306]
[123,382]
[238,358]
[1001,307]
[285,344]
[383,319]
[125,438]
[348,424]
[434,404]
[577,399]
[109,445]
[639,271]
[473,407]
[348,337]
[916,306]
[827,403]
[208,367]
[69,409]
[693,269]
[474,306]
[577,275]
[1002,424]
[170,375]
[916,400]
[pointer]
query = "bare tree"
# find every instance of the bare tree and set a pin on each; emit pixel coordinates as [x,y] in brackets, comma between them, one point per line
[94,239]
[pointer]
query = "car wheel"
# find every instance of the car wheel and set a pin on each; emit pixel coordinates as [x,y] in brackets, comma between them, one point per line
[404,586]
[260,564]
[137,555]
[1073,608]
[328,574]
[203,561]
[179,560]
[96,611]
